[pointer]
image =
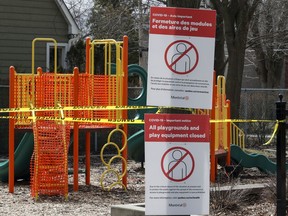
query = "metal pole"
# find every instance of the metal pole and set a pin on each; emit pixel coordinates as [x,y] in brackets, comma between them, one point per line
[281,157]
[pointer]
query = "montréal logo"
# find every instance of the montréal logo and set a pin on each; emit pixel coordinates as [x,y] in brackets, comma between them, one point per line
[180,97]
[177,204]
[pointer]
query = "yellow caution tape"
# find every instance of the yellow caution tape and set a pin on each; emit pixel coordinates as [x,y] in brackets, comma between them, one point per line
[273,134]
[70,119]
[94,108]
[69,108]
[123,121]
[240,121]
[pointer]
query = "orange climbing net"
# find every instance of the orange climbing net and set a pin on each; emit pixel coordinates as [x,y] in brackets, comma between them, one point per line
[49,164]
[100,90]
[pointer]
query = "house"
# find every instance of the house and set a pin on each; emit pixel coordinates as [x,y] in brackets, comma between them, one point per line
[23,20]
[20,22]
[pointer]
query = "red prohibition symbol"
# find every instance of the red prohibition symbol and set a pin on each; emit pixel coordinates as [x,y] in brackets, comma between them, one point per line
[177,164]
[181,57]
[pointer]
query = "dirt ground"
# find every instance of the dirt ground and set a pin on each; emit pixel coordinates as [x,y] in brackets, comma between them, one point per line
[92,200]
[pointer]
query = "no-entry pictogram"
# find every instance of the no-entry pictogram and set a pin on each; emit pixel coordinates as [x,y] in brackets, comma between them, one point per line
[177,164]
[181,57]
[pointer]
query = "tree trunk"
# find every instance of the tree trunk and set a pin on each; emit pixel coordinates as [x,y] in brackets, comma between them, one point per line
[219,62]
[236,38]
[269,63]
[275,69]
[236,16]
[184,3]
[269,69]
[143,35]
[234,78]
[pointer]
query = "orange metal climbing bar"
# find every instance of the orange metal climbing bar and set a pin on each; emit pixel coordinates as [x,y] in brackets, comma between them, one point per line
[76,133]
[11,130]
[125,100]
[213,166]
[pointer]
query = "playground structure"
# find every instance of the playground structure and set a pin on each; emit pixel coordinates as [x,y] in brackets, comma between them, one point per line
[55,90]
[52,92]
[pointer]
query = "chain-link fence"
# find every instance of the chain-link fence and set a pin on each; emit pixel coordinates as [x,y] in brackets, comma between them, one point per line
[259,104]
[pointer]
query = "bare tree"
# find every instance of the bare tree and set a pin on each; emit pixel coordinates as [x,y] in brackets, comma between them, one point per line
[269,39]
[237,16]
[142,22]
[80,10]
[114,19]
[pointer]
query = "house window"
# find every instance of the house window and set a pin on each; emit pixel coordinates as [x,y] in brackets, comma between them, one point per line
[62,49]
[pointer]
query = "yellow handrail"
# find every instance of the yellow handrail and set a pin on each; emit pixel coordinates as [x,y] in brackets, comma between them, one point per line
[33,52]
[114,92]
[237,136]
[33,62]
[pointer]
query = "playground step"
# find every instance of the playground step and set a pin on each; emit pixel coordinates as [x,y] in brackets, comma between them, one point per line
[221,153]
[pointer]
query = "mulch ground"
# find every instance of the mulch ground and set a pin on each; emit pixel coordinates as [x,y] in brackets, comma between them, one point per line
[93,200]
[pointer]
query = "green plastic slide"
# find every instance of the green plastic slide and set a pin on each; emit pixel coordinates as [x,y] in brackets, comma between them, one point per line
[136,141]
[136,146]
[22,157]
[259,161]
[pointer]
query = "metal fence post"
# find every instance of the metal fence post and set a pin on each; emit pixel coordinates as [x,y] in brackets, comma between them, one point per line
[281,157]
